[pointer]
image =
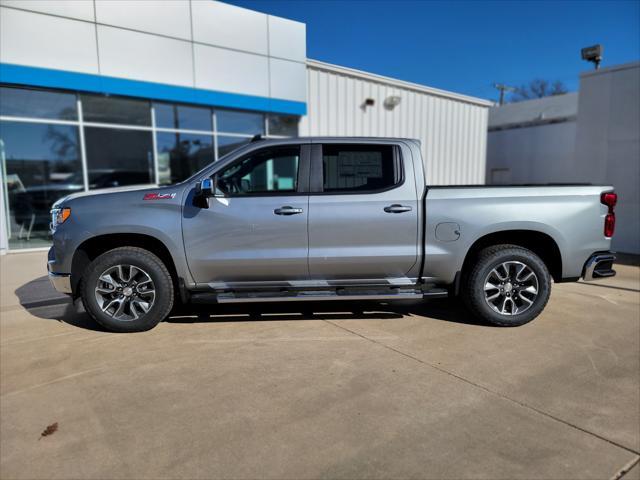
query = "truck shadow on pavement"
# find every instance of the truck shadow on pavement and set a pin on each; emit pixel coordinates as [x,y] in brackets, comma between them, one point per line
[40,299]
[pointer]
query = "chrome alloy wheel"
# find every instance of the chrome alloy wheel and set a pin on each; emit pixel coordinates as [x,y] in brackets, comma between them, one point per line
[511,288]
[125,292]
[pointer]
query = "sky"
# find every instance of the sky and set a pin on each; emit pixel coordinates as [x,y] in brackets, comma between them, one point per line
[464,46]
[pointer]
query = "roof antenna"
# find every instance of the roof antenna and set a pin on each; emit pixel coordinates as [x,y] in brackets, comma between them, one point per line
[256,138]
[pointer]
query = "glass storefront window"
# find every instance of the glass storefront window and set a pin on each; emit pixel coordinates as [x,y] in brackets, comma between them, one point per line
[22,102]
[182,117]
[229,144]
[125,111]
[40,164]
[284,125]
[180,155]
[117,157]
[231,121]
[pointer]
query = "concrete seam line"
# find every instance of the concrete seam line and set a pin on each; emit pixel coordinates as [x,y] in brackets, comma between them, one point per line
[50,382]
[488,390]
[628,466]
[608,286]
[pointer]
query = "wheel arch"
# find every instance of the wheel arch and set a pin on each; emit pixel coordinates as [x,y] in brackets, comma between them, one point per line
[93,247]
[540,243]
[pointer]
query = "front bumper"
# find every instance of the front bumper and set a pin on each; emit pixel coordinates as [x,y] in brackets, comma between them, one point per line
[599,265]
[61,282]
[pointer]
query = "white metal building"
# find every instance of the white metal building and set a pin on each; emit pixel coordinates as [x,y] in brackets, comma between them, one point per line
[98,93]
[451,127]
[592,136]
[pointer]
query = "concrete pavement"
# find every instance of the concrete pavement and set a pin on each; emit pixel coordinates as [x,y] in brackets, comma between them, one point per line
[321,390]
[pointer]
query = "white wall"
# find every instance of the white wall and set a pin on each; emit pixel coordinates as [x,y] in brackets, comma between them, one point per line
[608,143]
[4,241]
[196,43]
[451,127]
[535,154]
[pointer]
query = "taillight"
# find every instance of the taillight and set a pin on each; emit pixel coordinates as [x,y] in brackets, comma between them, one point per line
[609,199]
[609,224]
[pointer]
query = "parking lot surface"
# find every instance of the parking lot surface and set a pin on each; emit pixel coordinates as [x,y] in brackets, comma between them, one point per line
[332,390]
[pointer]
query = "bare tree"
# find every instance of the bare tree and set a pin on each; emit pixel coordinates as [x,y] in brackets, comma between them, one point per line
[538,88]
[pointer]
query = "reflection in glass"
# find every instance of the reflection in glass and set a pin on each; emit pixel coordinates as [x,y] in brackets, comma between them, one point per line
[117,157]
[180,155]
[22,102]
[41,163]
[267,171]
[229,144]
[182,117]
[285,125]
[231,121]
[107,109]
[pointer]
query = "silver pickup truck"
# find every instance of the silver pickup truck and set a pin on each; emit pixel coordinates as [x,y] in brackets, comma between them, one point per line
[326,219]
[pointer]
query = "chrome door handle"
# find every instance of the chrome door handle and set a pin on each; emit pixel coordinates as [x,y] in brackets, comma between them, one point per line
[397,208]
[287,211]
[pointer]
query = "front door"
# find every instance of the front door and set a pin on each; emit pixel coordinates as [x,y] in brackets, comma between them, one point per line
[363,212]
[258,230]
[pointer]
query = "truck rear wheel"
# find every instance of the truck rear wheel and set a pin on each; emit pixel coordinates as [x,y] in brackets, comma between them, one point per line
[127,289]
[508,286]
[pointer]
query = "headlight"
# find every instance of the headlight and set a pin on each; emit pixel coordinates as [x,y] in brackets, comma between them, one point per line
[58,217]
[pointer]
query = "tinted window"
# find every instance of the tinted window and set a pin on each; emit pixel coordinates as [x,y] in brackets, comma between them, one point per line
[20,102]
[358,168]
[42,164]
[182,117]
[285,125]
[229,144]
[274,170]
[181,155]
[230,121]
[118,157]
[127,111]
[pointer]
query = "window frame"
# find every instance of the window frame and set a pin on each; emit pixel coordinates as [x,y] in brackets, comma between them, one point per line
[316,185]
[302,184]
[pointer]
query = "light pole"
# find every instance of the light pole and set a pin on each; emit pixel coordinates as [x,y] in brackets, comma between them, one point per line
[503,88]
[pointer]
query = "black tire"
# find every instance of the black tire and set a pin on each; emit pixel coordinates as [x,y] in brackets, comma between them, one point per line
[473,286]
[152,267]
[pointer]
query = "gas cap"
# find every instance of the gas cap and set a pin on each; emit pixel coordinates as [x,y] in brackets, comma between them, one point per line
[448,232]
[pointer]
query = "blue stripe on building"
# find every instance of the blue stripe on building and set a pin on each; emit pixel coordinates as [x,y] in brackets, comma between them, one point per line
[85,82]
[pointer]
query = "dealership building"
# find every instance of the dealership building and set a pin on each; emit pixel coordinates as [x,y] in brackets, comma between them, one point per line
[100,94]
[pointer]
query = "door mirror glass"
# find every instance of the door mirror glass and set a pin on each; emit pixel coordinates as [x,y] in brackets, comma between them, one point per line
[205,188]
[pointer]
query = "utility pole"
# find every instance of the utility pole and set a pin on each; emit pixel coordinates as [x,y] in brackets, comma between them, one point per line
[503,88]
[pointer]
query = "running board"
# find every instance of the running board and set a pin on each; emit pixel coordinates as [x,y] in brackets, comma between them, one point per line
[312,296]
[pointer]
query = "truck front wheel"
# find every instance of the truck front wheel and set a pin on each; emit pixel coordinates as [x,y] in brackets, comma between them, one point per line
[127,289]
[507,286]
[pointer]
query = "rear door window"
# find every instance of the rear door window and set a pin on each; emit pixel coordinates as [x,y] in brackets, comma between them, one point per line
[359,168]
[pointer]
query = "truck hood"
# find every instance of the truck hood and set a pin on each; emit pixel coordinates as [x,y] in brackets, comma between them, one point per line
[125,192]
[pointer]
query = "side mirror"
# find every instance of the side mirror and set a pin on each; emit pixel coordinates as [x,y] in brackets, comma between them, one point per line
[203,192]
[206,189]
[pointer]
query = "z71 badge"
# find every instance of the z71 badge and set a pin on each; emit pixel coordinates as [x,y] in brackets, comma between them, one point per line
[159,196]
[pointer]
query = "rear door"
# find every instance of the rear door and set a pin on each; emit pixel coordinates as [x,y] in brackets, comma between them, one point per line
[363,212]
[258,231]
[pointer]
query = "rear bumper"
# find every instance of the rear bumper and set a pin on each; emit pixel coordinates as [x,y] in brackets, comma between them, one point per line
[599,265]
